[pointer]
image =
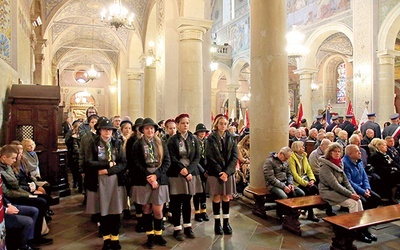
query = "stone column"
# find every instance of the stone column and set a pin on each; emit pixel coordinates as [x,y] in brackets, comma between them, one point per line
[214,109]
[191,33]
[365,30]
[232,99]
[150,92]
[269,90]
[112,99]
[306,92]
[384,94]
[39,59]
[135,99]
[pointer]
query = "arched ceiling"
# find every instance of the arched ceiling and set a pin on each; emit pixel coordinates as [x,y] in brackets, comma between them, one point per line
[78,37]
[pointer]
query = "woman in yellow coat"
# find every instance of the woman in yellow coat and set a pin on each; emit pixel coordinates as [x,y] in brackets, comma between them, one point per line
[302,173]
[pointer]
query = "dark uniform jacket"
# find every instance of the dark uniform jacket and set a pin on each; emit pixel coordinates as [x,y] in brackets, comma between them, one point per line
[91,163]
[371,125]
[389,130]
[349,127]
[193,151]
[139,171]
[221,158]
[317,125]
[330,127]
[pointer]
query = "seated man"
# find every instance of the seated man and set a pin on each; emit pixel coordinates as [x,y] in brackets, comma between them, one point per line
[16,195]
[278,176]
[391,150]
[313,159]
[354,169]
[369,135]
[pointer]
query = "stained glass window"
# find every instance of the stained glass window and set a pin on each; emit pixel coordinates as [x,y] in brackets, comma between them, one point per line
[341,84]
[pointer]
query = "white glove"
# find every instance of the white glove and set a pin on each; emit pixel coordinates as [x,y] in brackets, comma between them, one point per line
[32,186]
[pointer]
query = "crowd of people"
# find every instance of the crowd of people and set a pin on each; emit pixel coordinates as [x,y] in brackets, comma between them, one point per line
[351,167]
[159,168]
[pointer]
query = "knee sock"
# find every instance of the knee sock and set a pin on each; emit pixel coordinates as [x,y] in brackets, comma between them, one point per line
[157,226]
[196,202]
[225,207]
[148,223]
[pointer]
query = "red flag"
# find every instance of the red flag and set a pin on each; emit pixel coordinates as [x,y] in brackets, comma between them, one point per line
[299,114]
[350,112]
[226,112]
[247,121]
[212,116]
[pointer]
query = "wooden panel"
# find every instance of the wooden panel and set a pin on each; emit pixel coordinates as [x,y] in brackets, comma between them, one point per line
[301,202]
[24,115]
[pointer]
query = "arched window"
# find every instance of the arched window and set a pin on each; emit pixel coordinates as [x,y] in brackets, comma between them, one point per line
[341,83]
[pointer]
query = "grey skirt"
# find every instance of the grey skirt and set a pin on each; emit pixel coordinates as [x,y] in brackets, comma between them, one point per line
[109,198]
[179,185]
[145,194]
[216,187]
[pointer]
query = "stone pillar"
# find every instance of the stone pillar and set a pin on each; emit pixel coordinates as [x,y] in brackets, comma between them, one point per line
[191,33]
[113,99]
[135,93]
[305,92]
[39,59]
[214,109]
[232,99]
[365,30]
[269,90]
[150,92]
[384,94]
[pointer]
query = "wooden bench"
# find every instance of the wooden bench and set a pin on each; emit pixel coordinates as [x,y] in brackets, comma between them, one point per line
[346,225]
[260,197]
[290,210]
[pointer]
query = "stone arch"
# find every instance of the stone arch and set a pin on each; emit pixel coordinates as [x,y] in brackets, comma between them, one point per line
[389,30]
[237,67]
[315,40]
[217,74]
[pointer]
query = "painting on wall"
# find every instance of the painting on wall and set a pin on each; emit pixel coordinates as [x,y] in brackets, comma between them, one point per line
[302,12]
[5,30]
[239,34]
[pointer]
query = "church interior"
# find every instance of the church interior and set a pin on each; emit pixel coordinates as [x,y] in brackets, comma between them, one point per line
[160,58]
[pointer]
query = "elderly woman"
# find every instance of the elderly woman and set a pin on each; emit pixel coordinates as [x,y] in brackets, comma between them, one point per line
[150,181]
[104,163]
[342,138]
[302,173]
[387,169]
[335,188]
[31,158]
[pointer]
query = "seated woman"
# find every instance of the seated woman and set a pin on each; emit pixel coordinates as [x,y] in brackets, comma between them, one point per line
[26,182]
[302,174]
[335,188]
[244,156]
[387,169]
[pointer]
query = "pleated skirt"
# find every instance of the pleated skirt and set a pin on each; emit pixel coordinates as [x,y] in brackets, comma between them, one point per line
[215,186]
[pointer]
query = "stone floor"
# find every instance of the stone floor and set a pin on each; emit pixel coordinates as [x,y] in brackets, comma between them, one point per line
[72,229]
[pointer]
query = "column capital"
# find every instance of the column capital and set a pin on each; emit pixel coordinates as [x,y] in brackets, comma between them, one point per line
[305,71]
[192,29]
[134,74]
[387,53]
[233,87]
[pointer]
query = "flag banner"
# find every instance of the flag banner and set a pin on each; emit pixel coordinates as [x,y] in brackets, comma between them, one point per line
[364,116]
[350,112]
[299,114]
[247,119]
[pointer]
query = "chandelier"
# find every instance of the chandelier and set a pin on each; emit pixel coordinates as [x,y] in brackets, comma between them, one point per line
[117,16]
[295,47]
[92,74]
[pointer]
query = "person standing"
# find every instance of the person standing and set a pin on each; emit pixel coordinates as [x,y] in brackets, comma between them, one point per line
[184,178]
[371,124]
[104,165]
[222,157]
[348,125]
[199,199]
[150,181]
[393,129]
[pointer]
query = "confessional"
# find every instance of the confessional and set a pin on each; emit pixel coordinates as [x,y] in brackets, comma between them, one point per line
[34,114]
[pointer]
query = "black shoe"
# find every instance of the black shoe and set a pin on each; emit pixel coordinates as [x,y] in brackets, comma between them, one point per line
[227,228]
[189,232]
[140,226]
[313,218]
[50,212]
[363,238]
[198,217]
[218,229]
[48,218]
[159,240]
[205,216]
[150,241]
[41,241]
[370,235]
[178,235]
[27,247]
[114,244]
[107,245]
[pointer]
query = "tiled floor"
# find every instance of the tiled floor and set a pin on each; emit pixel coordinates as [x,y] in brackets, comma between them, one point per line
[72,229]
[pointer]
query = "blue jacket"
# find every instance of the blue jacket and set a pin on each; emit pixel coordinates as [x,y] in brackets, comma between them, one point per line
[356,174]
